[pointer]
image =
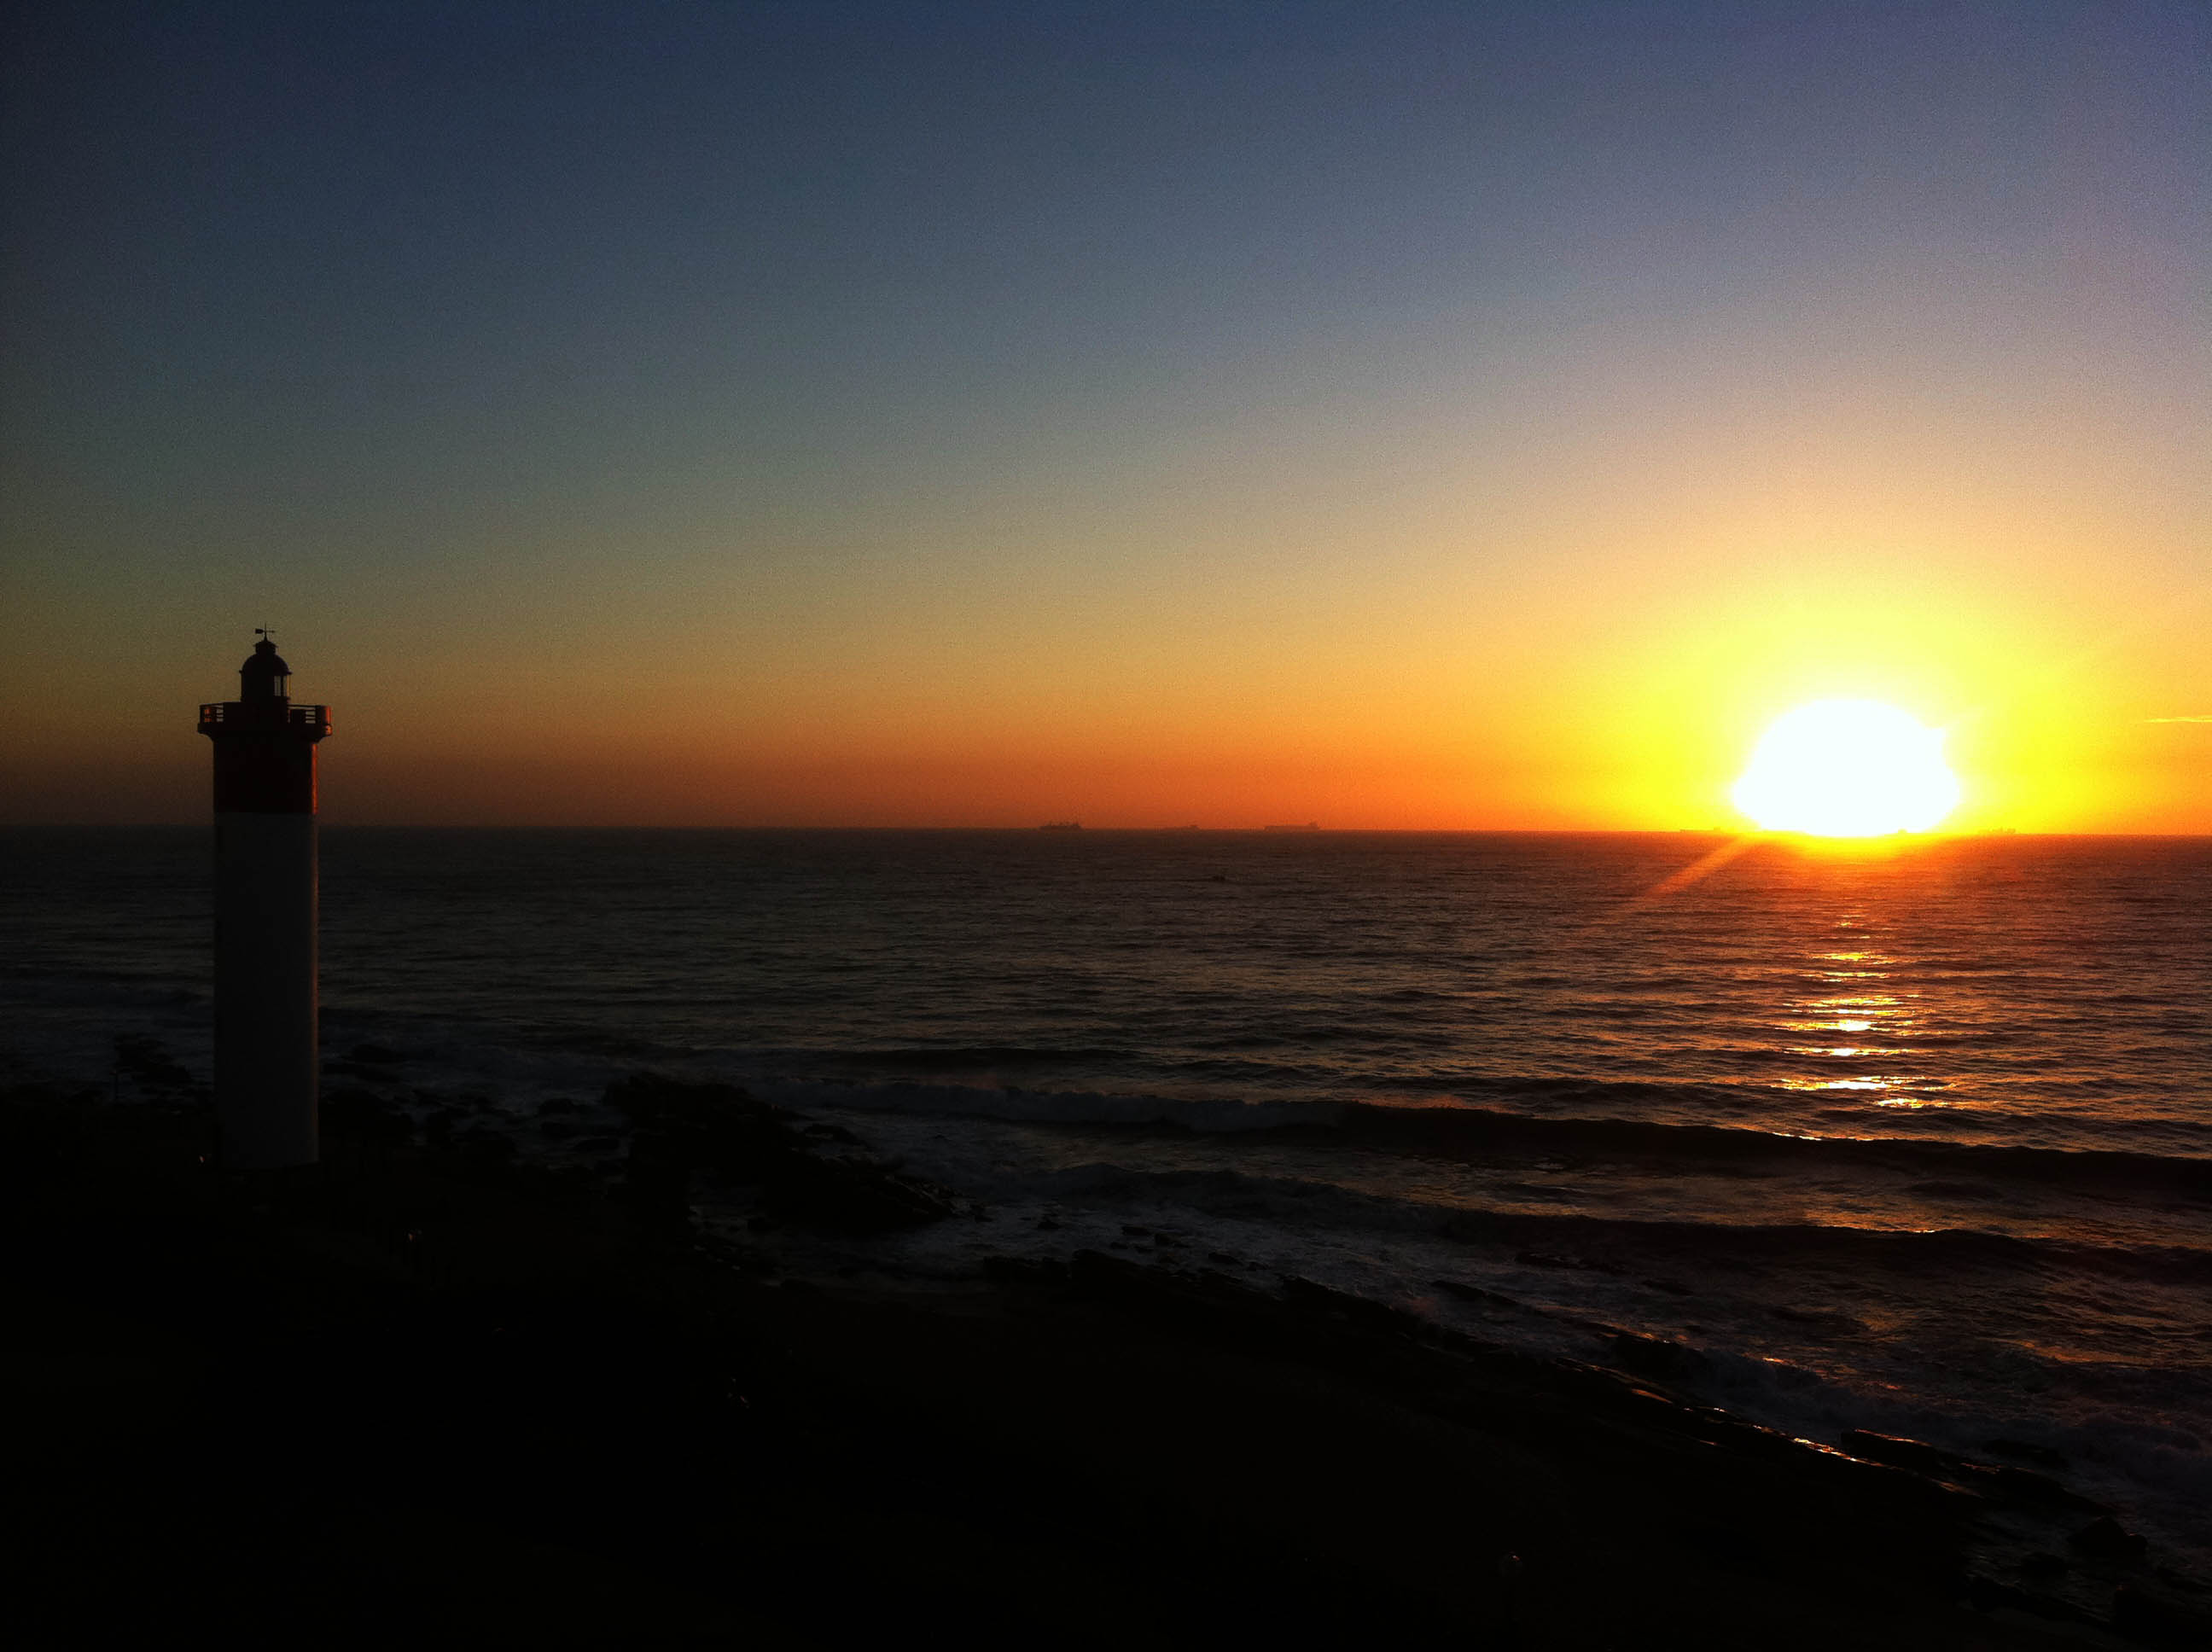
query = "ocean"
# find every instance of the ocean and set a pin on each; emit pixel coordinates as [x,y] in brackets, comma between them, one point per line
[1913,1136]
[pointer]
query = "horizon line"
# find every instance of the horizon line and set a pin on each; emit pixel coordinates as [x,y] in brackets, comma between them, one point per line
[1162,831]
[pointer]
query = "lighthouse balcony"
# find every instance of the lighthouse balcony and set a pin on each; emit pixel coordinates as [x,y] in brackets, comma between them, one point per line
[232,713]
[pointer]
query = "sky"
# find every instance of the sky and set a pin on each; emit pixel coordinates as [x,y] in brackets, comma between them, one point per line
[1395,416]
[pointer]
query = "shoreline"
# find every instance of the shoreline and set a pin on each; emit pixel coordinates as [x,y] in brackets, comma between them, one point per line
[546,1404]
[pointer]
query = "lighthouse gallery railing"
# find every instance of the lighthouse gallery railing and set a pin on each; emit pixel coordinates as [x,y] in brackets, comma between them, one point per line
[232,711]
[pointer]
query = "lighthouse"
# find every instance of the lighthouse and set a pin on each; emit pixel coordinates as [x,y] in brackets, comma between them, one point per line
[265,1056]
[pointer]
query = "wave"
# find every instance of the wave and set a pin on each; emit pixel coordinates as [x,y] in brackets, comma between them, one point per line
[1582,1241]
[975,1057]
[1456,1131]
[1904,1247]
[1215,1117]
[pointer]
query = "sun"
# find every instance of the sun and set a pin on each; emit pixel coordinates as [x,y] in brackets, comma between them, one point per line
[1847,768]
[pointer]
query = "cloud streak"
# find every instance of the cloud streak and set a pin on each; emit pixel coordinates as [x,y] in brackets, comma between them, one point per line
[2201,717]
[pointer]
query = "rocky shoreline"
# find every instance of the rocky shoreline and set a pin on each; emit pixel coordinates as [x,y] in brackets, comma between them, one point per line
[432,1391]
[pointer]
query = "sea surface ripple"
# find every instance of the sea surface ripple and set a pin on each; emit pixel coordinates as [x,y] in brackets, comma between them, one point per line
[1915,1134]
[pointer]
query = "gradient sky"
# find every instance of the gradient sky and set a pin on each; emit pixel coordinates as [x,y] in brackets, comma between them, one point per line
[1422,416]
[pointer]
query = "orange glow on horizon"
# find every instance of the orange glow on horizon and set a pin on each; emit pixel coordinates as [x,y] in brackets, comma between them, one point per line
[1616,687]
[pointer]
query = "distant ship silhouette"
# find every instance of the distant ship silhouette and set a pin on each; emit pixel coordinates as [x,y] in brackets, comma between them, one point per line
[1062,826]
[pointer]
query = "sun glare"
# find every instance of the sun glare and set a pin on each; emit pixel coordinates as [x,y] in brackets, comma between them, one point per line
[1847,768]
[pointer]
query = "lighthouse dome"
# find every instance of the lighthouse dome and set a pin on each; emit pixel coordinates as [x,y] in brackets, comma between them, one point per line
[265,674]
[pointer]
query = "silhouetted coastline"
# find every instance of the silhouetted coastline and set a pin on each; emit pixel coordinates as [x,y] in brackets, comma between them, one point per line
[1368,1062]
[426,1384]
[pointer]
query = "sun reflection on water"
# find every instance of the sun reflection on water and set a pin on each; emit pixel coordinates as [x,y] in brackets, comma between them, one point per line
[1852,1006]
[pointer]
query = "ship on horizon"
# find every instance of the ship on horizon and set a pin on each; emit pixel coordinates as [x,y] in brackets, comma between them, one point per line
[1062,826]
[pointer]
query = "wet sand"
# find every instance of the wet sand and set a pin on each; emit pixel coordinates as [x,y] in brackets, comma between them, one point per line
[421,1395]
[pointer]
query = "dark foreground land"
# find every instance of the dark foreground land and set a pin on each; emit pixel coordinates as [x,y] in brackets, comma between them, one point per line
[422,1395]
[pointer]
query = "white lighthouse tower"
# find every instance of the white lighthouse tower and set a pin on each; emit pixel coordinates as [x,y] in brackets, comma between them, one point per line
[265,1049]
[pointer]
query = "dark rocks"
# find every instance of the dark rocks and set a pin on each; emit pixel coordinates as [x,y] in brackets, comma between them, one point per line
[1740,1435]
[352,1114]
[1657,1356]
[1306,1320]
[1987,1595]
[1900,1453]
[1545,1259]
[2144,1613]
[714,1127]
[1735,1548]
[370,1061]
[1772,1504]
[1207,1298]
[678,1128]
[1095,1273]
[146,1063]
[1040,1272]
[1473,1293]
[2023,1485]
[2106,1539]
[2018,1486]
[852,1195]
[1360,1311]
[2022,1451]
[484,1153]
[656,1194]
